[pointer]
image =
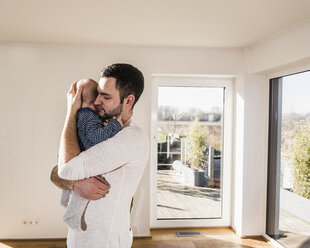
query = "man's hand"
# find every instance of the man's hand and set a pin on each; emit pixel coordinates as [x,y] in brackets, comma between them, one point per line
[74,98]
[92,188]
[95,187]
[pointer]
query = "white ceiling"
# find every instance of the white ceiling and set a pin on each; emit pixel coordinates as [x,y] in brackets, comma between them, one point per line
[193,23]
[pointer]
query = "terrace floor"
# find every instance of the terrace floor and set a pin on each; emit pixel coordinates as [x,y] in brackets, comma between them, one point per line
[295,229]
[177,200]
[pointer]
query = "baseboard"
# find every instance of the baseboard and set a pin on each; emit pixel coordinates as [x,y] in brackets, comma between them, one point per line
[142,237]
[199,227]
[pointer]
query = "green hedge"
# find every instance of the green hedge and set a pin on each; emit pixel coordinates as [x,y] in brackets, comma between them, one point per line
[196,145]
[301,151]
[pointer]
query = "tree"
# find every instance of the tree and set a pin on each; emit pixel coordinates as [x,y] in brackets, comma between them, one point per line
[196,145]
[301,150]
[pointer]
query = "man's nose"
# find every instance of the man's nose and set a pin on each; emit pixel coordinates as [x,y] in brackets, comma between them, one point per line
[97,101]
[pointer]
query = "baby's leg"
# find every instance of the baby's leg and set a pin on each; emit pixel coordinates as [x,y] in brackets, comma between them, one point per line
[76,209]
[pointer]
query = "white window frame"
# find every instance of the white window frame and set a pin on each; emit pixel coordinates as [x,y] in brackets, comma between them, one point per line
[192,81]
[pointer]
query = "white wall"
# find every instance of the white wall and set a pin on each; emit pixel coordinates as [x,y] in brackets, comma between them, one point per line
[237,182]
[287,49]
[255,154]
[250,152]
[34,81]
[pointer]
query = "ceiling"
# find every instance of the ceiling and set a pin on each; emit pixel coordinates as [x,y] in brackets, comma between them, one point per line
[189,23]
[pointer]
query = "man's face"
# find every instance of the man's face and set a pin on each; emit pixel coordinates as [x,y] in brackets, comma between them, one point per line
[108,100]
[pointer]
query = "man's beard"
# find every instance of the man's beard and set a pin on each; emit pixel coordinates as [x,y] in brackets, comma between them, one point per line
[114,112]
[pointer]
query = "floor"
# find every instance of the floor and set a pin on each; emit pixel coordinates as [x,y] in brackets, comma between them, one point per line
[48,243]
[176,200]
[211,238]
[165,238]
[296,231]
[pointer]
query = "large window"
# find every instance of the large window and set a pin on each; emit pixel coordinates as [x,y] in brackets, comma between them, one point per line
[288,218]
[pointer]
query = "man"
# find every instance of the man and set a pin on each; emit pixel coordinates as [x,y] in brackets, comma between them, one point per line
[122,159]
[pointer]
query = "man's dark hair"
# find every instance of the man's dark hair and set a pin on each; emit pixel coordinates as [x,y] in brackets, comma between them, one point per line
[129,80]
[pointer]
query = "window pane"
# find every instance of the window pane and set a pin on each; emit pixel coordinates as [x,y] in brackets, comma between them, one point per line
[295,162]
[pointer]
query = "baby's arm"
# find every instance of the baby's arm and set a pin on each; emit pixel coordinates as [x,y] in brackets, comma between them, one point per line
[92,127]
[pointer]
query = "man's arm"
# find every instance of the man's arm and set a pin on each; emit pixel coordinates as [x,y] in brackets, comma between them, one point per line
[69,146]
[130,144]
[92,188]
[59,182]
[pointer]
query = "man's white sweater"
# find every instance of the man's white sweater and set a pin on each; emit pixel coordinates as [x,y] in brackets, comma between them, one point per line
[122,159]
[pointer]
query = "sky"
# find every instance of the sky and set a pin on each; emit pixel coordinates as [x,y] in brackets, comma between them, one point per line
[205,98]
[295,98]
[296,93]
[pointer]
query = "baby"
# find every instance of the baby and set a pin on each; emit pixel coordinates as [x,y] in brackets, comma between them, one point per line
[91,131]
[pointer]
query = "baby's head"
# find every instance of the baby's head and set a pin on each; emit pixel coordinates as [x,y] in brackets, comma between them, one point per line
[89,93]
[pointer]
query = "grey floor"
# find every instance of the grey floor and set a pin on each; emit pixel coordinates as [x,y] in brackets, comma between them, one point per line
[177,200]
[296,230]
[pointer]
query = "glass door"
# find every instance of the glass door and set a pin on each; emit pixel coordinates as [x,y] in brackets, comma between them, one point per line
[189,168]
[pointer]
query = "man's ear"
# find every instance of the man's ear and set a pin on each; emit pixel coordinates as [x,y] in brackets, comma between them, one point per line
[129,100]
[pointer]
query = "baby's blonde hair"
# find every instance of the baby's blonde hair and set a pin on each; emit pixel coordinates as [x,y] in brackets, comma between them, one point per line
[90,92]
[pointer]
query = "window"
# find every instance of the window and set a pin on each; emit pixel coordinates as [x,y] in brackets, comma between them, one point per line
[288,203]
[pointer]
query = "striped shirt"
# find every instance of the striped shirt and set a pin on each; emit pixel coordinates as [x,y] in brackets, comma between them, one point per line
[91,129]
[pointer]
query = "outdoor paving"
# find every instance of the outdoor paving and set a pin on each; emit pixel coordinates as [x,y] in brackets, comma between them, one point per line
[296,231]
[176,200]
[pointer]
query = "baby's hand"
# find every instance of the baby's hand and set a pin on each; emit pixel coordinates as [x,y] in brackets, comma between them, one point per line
[119,119]
[106,122]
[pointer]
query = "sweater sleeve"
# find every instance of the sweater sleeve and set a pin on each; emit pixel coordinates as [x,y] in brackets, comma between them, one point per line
[130,144]
[91,129]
